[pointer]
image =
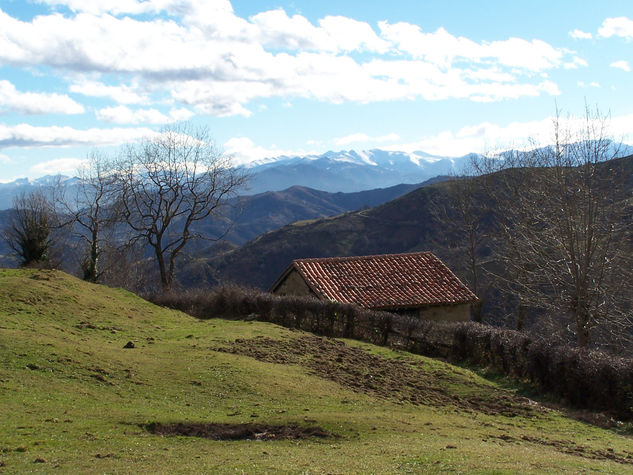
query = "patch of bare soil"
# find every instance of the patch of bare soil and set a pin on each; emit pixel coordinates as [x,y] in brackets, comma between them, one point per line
[404,380]
[218,431]
[571,447]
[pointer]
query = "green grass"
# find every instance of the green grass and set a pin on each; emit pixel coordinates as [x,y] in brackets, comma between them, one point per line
[73,398]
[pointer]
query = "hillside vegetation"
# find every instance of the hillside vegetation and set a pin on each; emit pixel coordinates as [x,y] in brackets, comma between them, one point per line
[75,400]
[405,224]
[250,216]
[409,223]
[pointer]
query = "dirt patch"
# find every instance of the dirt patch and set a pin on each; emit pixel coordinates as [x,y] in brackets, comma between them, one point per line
[571,447]
[237,431]
[405,380]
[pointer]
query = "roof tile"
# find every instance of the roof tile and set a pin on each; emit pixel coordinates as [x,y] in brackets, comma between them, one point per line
[384,281]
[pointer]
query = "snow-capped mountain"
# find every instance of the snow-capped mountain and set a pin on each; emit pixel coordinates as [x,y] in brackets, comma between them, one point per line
[345,171]
[350,171]
[25,185]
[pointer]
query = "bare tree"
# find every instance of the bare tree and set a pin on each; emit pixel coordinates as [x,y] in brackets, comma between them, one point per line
[560,212]
[28,232]
[90,210]
[169,182]
[464,214]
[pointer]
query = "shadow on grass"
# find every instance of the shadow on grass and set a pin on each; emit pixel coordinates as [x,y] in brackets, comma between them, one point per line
[218,431]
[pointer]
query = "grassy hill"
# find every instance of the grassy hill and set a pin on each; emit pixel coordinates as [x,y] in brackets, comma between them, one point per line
[75,400]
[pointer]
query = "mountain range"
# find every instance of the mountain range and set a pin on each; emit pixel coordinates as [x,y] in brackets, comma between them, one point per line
[345,171]
[351,171]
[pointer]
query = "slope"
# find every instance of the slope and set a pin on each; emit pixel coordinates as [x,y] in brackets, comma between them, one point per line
[75,400]
[401,225]
[250,216]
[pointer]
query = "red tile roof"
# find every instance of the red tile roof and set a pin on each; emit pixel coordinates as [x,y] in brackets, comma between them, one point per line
[383,281]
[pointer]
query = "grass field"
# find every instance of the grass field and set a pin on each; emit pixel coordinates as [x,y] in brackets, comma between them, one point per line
[73,399]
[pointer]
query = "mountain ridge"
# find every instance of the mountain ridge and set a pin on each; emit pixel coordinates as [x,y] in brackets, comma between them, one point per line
[346,171]
[350,170]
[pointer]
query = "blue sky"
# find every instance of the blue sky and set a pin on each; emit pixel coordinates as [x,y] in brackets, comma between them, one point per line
[299,77]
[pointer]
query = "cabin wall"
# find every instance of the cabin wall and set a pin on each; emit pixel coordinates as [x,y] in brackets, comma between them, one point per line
[293,284]
[446,313]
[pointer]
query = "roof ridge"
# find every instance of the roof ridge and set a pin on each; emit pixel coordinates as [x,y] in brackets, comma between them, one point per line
[372,256]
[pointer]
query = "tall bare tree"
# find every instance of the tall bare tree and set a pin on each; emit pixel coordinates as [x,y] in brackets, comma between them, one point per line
[89,208]
[28,232]
[167,183]
[561,213]
[465,212]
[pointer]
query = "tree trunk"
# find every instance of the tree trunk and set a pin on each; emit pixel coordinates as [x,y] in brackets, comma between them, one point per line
[582,333]
[165,281]
[91,269]
[521,317]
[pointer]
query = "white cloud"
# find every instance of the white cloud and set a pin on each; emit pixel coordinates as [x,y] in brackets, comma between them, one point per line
[97,7]
[25,135]
[575,63]
[580,35]
[125,115]
[443,49]
[63,166]
[623,65]
[121,94]
[591,84]
[276,28]
[490,138]
[5,159]
[620,26]
[180,114]
[352,35]
[244,151]
[362,137]
[207,58]
[31,103]
[620,127]
[334,33]
[480,138]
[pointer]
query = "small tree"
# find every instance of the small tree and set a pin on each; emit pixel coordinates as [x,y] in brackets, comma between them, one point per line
[560,212]
[169,182]
[29,229]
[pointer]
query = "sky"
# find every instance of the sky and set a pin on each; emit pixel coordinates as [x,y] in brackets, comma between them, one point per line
[271,78]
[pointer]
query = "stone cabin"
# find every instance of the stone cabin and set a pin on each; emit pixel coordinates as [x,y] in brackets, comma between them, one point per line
[414,283]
